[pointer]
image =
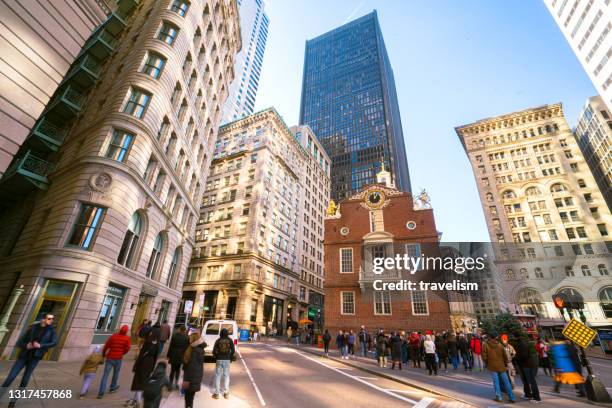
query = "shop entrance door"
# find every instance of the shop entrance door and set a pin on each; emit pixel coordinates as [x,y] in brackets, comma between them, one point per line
[142,311]
[56,299]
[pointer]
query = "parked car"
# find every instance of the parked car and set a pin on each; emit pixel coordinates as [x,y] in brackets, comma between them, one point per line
[211,331]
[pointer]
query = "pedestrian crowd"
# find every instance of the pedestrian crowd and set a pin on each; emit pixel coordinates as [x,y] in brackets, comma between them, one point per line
[503,356]
[185,353]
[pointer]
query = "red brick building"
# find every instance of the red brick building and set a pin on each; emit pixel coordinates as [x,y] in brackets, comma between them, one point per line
[381,221]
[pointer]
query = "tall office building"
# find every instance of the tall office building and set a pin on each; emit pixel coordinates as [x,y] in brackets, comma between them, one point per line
[594,135]
[39,45]
[259,239]
[349,101]
[254,28]
[586,25]
[108,185]
[547,219]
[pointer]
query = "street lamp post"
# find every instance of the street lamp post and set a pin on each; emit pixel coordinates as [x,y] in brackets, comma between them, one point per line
[595,389]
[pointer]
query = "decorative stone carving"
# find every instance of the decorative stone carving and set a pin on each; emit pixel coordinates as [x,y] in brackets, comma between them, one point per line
[101,182]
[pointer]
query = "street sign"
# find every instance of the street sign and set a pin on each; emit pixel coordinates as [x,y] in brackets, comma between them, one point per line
[579,333]
[188,306]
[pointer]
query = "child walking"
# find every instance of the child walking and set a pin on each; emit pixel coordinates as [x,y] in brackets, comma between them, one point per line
[152,392]
[89,369]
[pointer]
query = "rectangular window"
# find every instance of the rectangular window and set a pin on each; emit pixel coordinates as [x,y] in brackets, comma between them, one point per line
[86,226]
[419,302]
[347,305]
[137,103]
[382,302]
[154,65]
[168,33]
[111,307]
[180,7]
[346,260]
[119,145]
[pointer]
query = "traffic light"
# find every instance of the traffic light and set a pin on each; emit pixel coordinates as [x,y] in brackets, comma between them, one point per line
[560,300]
[563,301]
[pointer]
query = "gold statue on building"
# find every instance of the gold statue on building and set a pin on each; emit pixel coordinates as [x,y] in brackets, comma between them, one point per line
[332,209]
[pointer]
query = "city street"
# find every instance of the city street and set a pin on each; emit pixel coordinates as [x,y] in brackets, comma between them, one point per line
[274,374]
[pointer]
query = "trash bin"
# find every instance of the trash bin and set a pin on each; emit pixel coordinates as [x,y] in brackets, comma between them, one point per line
[245,334]
[320,341]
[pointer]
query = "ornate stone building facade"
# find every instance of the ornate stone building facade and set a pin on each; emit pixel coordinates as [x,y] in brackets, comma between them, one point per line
[110,234]
[262,208]
[39,47]
[544,211]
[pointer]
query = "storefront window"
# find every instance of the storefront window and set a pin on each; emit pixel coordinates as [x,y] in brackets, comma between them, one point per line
[111,308]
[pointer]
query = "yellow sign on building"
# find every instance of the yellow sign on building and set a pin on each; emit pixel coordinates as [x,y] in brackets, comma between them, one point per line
[579,333]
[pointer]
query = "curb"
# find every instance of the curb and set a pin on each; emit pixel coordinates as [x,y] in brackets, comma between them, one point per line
[391,377]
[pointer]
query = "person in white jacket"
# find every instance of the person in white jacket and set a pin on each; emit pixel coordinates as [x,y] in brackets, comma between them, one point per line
[430,354]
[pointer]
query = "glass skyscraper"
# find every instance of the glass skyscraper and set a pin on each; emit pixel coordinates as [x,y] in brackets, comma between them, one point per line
[254,30]
[349,101]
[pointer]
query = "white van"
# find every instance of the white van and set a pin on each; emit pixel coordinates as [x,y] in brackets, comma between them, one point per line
[212,330]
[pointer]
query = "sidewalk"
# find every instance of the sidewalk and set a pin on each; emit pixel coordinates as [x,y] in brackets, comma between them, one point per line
[53,375]
[453,384]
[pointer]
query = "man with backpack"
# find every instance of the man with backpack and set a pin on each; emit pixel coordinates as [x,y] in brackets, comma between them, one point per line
[223,352]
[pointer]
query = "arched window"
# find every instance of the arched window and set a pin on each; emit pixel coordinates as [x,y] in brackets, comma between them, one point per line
[510,275]
[489,197]
[127,254]
[558,188]
[155,255]
[605,301]
[174,264]
[572,294]
[603,271]
[530,301]
[523,273]
[509,194]
[533,191]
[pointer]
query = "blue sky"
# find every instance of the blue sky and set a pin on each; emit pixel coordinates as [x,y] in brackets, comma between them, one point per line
[454,62]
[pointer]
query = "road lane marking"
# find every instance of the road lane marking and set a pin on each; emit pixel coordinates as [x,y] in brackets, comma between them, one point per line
[407,391]
[367,378]
[424,402]
[261,400]
[358,379]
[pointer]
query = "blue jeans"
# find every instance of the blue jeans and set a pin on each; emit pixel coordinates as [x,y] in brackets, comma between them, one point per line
[222,369]
[503,378]
[115,365]
[454,361]
[19,364]
[363,349]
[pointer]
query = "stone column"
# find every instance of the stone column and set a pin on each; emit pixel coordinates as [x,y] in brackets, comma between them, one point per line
[8,310]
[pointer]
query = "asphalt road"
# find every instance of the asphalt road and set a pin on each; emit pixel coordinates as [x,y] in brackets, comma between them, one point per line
[273,375]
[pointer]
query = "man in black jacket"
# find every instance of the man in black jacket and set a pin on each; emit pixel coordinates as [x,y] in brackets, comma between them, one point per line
[223,352]
[363,341]
[35,342]
[527,360]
